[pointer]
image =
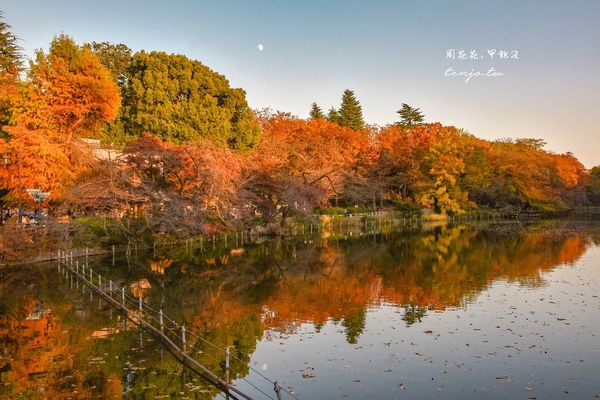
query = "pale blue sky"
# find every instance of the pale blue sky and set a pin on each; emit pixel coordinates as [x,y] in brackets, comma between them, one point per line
[388,52]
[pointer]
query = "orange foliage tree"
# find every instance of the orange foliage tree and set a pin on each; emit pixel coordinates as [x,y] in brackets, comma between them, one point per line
[68,95]
[176,188]
[301,164]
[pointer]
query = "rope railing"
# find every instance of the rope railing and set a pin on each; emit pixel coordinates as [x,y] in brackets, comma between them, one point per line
[141,313]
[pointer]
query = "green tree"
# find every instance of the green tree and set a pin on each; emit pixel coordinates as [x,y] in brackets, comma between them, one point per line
[536,144]
[316,112]
[181,100]
[11,62]
[11,57]
[351,112]
[410,116]
[355,325]
[115,57]
[333,115]
[595,184]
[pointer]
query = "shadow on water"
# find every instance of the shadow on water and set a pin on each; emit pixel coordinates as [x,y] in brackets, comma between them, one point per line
[58,342]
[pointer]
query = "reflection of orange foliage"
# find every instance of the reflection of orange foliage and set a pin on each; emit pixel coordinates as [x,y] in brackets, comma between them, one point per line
[37,349]
[571,249]
[446,270]
[112,387]
[139,288]
[159,266]
[238,251]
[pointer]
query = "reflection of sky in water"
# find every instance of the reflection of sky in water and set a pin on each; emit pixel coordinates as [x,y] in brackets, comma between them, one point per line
[511,342]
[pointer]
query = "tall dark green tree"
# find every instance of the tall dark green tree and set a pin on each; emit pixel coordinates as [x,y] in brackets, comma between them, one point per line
[333,115]
[180,100]
[316,112]
[410,116]
[11,56]
[11,62]
[351,112]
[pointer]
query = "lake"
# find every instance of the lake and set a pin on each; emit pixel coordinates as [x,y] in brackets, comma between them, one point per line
[488,310]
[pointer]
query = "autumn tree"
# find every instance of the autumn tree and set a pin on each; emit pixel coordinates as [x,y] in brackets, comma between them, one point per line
[180,100]
[410,116]
[316,112]
[173,188]
[302,164]
[351,112]
[72,93]
[68,95]
[441,167]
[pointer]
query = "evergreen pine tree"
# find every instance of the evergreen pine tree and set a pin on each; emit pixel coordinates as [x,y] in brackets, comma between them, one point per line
[410,116]
[316,112]
[11,62]
[333,115]
[11,58]
[351,112]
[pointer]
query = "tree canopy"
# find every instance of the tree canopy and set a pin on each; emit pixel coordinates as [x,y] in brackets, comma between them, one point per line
[181,100]
[351,112]
[316,112]
[410,116]
[11,61]
[11,56]
[69,94]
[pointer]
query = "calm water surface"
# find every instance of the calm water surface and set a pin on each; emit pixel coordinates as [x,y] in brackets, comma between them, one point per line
[501,310]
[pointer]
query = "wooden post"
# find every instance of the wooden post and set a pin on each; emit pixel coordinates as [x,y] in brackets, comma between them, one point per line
[110,288]
[160,318]
[86,255]
[227,352]
[123,295]
[141,303]
[277,390]
[183,337]
[91,277]
[113,254]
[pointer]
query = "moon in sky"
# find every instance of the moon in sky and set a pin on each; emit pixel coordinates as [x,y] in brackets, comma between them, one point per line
[260,47]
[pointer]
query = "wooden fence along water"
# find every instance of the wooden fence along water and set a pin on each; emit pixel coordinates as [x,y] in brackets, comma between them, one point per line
[175,337]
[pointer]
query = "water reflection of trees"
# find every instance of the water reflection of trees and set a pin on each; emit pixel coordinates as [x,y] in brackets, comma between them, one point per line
[233,299]
[288,282]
